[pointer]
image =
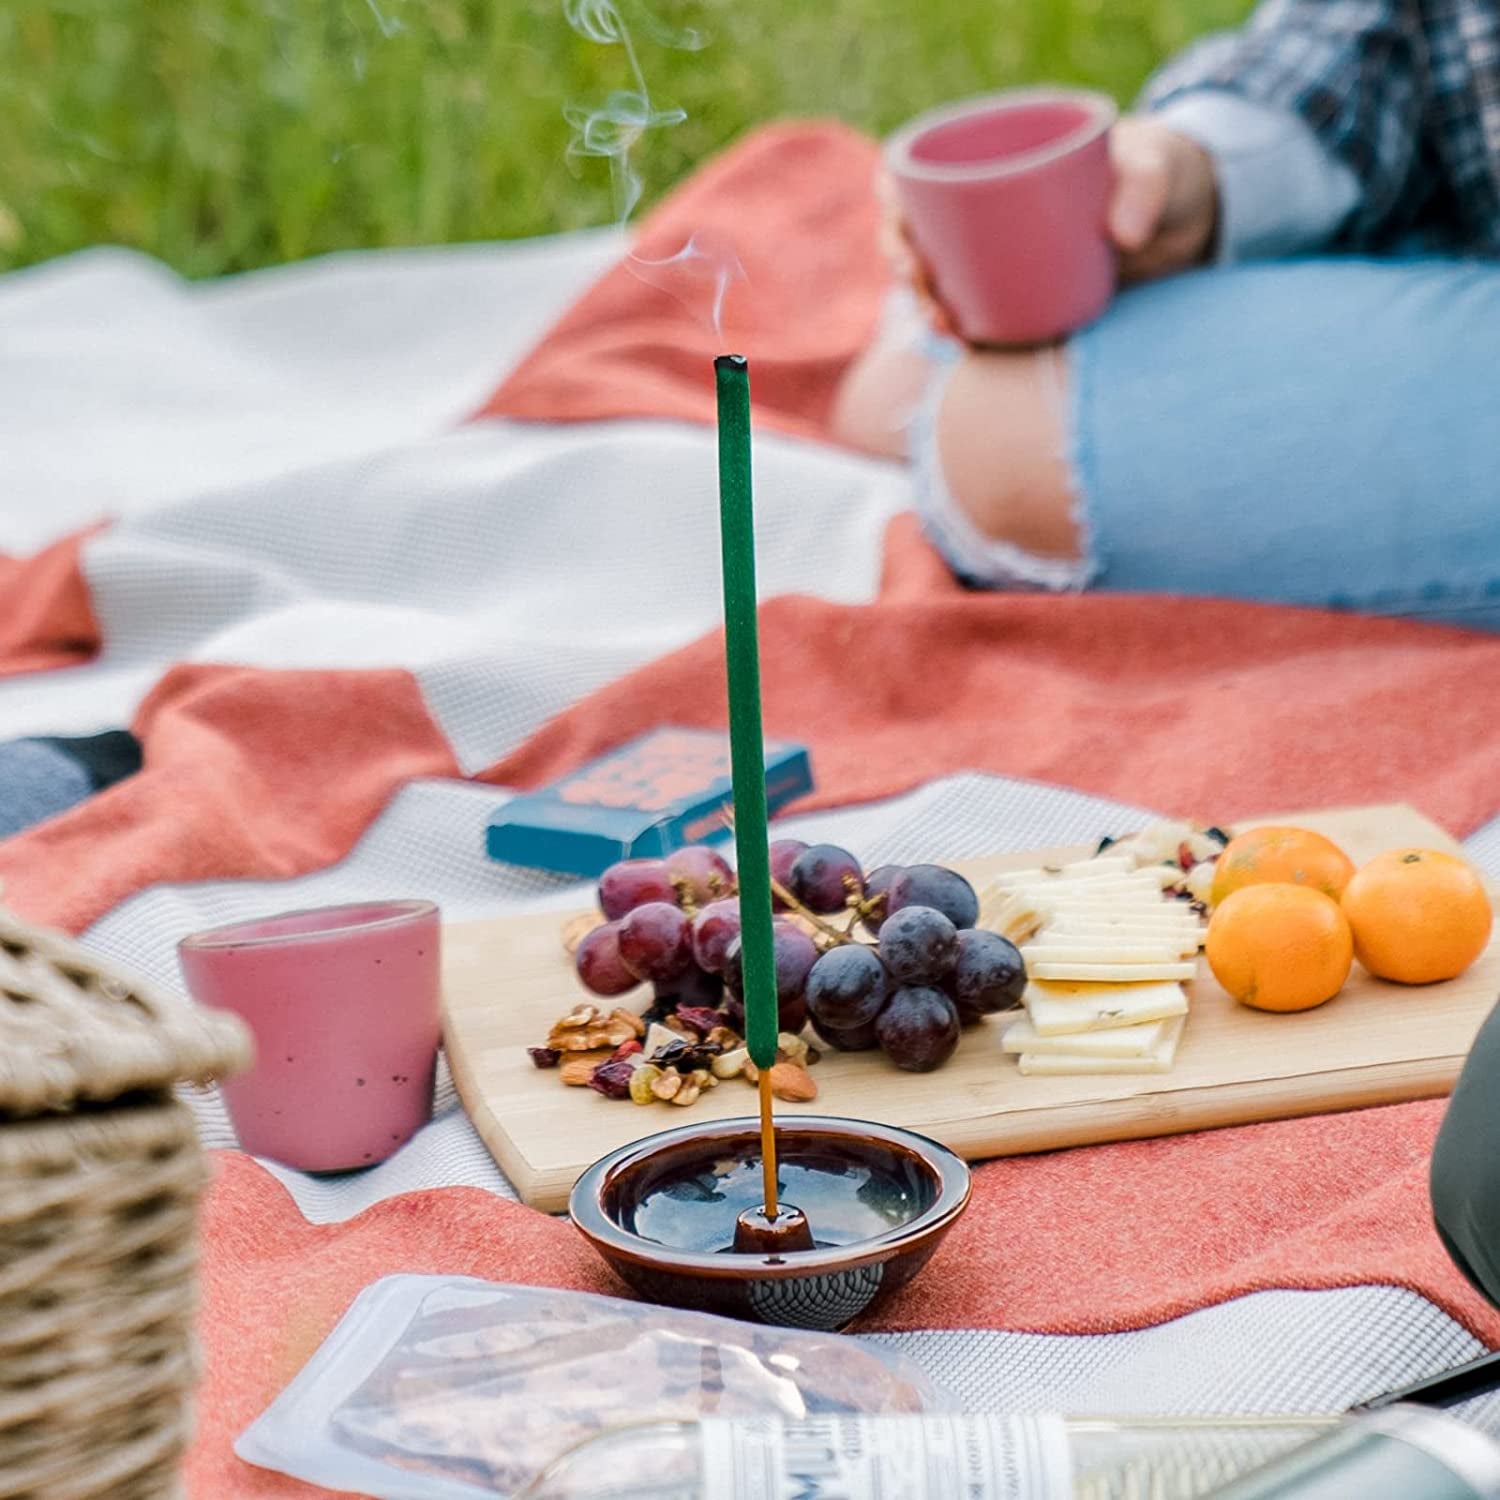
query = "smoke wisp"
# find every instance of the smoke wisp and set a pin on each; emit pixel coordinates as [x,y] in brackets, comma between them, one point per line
[705,268]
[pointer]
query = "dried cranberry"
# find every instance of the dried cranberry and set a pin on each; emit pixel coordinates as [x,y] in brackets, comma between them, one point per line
[544,1057]
[1185,858]
[612,1079]
[698,1019]
[625,1049]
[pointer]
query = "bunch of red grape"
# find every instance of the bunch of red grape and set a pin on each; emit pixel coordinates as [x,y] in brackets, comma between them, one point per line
[667,922]
[675,923]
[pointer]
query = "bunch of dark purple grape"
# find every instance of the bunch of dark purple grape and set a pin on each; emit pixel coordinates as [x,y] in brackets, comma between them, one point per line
[675,923]
[930,973]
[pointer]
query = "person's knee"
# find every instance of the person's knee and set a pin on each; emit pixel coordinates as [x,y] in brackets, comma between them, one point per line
[875,401]
[1002,446]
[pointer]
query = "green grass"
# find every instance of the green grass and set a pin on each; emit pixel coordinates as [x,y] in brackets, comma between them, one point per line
[226,134]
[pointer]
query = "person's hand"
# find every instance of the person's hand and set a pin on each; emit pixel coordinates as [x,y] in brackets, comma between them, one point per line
[1165,206]
[1162,216]
[905,259]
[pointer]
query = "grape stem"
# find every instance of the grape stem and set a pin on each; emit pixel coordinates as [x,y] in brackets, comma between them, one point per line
[788,900]
[837,936]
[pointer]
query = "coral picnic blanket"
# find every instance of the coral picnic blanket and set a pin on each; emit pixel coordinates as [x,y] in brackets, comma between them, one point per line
[345,622]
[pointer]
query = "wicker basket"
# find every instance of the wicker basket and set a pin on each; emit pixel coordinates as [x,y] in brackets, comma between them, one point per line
[100,1172]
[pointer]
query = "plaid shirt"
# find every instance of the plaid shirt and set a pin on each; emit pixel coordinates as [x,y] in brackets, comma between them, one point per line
[1406,93]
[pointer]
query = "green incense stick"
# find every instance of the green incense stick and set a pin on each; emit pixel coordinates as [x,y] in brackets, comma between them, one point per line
[747,752]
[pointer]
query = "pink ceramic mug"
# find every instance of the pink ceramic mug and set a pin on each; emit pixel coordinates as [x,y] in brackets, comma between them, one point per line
[344,1005]
[1006,199]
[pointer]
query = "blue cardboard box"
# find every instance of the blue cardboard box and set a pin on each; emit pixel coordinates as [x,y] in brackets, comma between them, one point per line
[667,789]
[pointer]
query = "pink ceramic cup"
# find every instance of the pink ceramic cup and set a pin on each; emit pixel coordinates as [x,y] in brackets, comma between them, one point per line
[1006,199]
[344,1005]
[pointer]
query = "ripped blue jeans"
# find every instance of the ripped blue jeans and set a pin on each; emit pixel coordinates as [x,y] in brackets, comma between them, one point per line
[1322,432]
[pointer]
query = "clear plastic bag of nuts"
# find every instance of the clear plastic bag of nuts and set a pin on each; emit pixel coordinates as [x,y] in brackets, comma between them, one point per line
[451,1388]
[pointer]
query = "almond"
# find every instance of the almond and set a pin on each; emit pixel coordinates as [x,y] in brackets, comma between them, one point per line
[792,1084]
[578,1067]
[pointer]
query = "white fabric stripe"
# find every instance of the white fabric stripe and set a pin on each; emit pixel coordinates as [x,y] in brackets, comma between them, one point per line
[513,567]
[1274,1351]
[126,388]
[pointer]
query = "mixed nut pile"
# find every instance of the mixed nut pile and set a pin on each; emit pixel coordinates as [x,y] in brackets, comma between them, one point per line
[671,1061]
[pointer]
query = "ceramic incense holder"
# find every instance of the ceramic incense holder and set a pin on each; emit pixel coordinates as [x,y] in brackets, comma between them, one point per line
[662,1212]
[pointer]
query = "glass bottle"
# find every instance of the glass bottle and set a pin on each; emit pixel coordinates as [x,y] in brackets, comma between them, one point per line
[924,1458]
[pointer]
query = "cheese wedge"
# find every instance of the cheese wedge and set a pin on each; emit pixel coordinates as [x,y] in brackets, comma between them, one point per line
[1047,949]
[1110,973]
[1064,1009]
[1158,1060]
[1117,1041]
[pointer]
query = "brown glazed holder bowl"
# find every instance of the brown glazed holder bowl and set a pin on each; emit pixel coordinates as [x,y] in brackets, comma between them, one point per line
[701,1175]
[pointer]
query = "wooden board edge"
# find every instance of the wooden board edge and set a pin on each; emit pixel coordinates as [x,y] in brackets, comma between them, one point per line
[1188,1110]
[1065,1127]
[518,1171]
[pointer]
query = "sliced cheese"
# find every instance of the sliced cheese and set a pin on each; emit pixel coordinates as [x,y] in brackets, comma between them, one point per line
[1012,917]
[1116,1041]
[1065,879]
[1115,912]
[1098,862]
[1181,944]
[1158,1060]
[1047,949]
[1038,876]
[1114,973]
[1064,1009]
[1142,892]
[1143,886]
[1140,921]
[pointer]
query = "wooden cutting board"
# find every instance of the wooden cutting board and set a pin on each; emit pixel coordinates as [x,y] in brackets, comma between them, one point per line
[506,980]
